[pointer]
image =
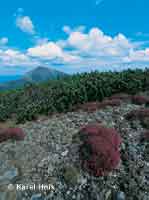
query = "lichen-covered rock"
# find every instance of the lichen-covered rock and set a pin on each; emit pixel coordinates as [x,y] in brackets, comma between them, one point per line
[11,133]
[71,175]
[42,157]
[139,100]
[119,195]
[9,176]
[99,151]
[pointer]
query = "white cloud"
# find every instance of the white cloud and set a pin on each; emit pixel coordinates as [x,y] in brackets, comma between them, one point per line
[41,41]
[141,34]
[12,57]
[48,50]
[91,48]
[96,43]
[51,51]
[25,24]
[81,49]
[69,30]
[138,55]
[66,29]
[3,41]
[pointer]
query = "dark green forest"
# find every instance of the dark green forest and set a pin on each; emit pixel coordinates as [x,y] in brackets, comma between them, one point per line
[61,95]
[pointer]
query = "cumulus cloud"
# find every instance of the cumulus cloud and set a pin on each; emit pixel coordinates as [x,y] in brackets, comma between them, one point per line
[12,57]
[69,30]
[3,41]
[81,48]
[98,48]
[25,24]
[96,43]
[50,51]
[141,34]
[66,29]
[138,55]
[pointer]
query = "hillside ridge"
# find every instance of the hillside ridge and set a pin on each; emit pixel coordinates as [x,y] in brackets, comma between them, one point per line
[37,75]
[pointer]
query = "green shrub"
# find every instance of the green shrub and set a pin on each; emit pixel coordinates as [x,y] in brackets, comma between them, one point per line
[61,95]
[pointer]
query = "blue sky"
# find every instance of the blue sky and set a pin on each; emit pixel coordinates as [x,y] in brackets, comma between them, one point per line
[72,35]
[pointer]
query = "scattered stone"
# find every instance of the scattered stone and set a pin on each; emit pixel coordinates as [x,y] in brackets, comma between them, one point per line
[8,195]
[71,175]
[120,196]
[64,153]
[37,197]
[48,148]
[137,114]
[108,195]
[9,176]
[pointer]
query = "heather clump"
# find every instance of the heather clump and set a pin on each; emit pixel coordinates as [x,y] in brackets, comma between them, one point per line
[93,106]
[145,135]
[139,100]
[120,96]
[113,102]
[89,107]
[99,151]
[11,133]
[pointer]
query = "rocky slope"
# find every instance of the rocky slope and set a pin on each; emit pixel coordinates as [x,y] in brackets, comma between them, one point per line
[49,156]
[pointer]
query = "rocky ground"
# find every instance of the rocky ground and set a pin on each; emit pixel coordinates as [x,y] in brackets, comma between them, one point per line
[48,156]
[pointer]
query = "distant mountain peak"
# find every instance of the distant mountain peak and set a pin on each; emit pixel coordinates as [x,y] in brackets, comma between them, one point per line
[41,68]
[37,75]
[43,73]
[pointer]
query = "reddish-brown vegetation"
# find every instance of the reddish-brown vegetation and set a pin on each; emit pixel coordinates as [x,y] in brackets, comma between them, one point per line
[146,135]
[93,106]
[114,102]
[120,96]
[89,107]
[99,151]
[11,133]
[140,99]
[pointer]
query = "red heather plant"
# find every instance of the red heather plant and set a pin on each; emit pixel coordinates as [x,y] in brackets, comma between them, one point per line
[120,96]
[140,99]
[11,133]
[93,106]
[99,150]
[90,106]
[146,135]
[114,102]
